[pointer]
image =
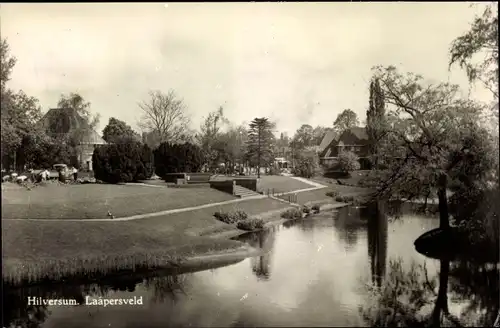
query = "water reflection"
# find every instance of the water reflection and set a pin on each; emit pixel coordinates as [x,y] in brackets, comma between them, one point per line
[167,288]
[460,294]
[377,241]
[479,284]
[305,277]
[348,223]
[264,240]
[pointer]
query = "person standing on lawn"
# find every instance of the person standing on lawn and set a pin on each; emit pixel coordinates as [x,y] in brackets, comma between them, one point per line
[75,173]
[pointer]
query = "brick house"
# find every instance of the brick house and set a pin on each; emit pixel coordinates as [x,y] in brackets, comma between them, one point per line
[59,122]
[354,139]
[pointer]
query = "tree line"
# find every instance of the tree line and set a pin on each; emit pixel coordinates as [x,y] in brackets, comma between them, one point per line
[165,119]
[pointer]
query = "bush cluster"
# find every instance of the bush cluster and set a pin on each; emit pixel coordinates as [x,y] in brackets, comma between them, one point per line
[130,161]
[177,158]
[292,213]
[332,193]
[307,165]
[124,162]
[344,199]
[347,162]
[231,217]
[251,224]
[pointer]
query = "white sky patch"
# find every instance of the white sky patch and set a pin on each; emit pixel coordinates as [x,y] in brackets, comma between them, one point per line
[295,62]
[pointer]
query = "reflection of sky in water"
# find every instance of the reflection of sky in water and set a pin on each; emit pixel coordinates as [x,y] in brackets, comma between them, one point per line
[314,277]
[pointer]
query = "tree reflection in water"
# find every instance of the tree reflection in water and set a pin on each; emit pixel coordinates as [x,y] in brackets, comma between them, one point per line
[17,312]
[409,297]
[377,241]
[167,287]
[348,222]
[265,239]
[479,284]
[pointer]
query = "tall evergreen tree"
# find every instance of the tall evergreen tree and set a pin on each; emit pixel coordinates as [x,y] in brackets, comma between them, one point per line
[375,119]
[260,142]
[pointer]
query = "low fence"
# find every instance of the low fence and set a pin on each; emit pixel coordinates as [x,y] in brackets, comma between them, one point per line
[289,197]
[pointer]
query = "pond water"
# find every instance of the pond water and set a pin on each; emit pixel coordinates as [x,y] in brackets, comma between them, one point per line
[313,273]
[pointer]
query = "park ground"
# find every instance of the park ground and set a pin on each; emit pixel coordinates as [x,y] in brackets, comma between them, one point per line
[57,231]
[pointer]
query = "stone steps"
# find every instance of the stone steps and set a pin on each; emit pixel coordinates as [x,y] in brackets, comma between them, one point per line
[243,192]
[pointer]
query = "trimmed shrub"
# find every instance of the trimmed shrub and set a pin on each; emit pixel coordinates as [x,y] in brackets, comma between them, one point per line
[347,162]
[307,165]
[177,158]
[251,224]
[124,162]
[344,199]
[315,208]
[231,217]
[332,194]
[290,214]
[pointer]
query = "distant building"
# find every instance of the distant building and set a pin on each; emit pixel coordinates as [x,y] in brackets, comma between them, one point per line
[60,122]
[282,163]
[354,139]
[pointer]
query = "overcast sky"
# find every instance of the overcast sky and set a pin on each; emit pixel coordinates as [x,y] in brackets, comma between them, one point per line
[296,63]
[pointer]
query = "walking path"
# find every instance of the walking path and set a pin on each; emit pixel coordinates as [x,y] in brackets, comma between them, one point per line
[192,208]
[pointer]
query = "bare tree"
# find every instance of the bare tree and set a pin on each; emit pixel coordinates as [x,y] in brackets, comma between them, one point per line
[165,115]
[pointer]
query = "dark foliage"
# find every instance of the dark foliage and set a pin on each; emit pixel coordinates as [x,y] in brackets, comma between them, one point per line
[231,217]
[124,162]
[43,152]
[251,224]
[293,213]
[177,158]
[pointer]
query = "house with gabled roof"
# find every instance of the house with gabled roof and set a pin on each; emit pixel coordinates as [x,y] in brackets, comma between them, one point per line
[354,139]
[60,122]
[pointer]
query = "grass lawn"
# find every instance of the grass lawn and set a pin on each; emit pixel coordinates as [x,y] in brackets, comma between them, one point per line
[95,200]
[281,183]
[354,179]
[37,249]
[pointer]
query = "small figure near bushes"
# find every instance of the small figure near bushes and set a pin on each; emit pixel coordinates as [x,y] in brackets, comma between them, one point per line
[306,210]
[315,209]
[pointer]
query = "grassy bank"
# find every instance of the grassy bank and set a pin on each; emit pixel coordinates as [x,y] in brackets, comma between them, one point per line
[281,184]
[93,201]
[276,182]
[319,195]
[39,249]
